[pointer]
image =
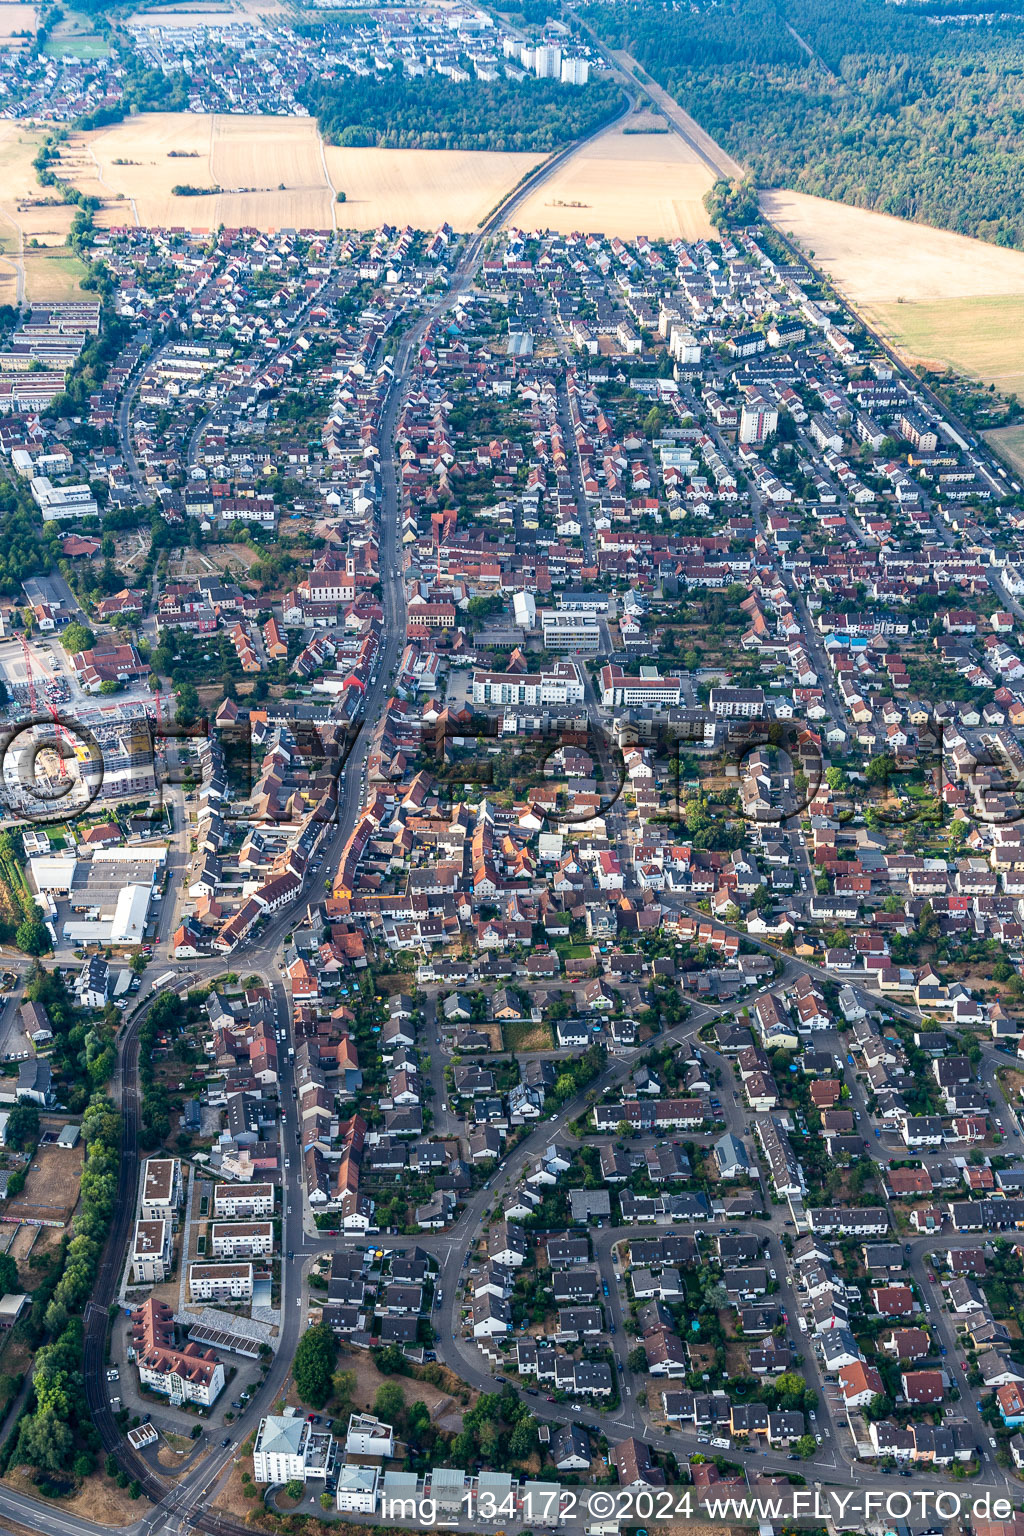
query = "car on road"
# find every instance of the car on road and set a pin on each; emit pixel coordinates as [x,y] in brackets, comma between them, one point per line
[291,1255]
[226,1441]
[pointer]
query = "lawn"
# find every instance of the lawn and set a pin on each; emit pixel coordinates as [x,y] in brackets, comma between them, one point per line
[980,337]
[53,274]
[74,35]
[525,1035]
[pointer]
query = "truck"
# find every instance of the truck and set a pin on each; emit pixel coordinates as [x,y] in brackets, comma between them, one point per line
[162,981]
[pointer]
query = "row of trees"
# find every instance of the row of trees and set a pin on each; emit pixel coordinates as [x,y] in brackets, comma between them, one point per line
[56,1435]
[882,108]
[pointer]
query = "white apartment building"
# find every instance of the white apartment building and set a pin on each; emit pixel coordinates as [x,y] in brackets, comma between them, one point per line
[575,71]
[561,685]
[245,1200]
[220,1282]
[287,1446]
[357,1488]
[241,1239]
[184,1376]
[758,420]
[161,1189]
[57,502]
[151,1252]
[731,703]
[649,690]
[369,1436]
[568,631]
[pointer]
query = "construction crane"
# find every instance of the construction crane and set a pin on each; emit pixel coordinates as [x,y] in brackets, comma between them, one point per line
[51,707]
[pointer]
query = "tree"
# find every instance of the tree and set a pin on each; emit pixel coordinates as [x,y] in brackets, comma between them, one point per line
[187,710]
[637,1358]
[325,1500]
[343,1385]
[880,769]
[523,1440]
[23,1126]
[314,1365]
[77,637]
[295,1488]
[805,1446]
[46,1441]
[389,1401]
[32,935]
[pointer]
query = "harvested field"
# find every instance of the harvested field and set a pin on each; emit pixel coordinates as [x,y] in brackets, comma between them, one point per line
[625,184]
[278,158]
[52,1186]
[15,19]
[421,187]
[23,202]
[876,259]
[1009,443]
[902,276]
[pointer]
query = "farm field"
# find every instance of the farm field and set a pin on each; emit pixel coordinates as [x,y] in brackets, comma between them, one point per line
[422,187]
[977,336]
[278,157]
[1009,441]
[625,184]
[876,259]
[22,204]
[937,297]
[16,18]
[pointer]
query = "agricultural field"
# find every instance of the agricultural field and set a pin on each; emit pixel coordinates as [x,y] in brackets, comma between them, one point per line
[980,337]
[24,204]
[277,158]
[940,298]
[625,184]
[15,19]
[422,187]
[1009,442]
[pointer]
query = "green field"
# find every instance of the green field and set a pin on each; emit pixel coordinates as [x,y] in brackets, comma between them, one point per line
[75,36]
[980,337]
[53,274]
[1009,444]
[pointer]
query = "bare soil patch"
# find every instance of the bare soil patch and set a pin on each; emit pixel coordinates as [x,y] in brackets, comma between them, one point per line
[52,1185]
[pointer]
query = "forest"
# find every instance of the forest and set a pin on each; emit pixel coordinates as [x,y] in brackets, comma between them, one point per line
[398,111]
[910,110]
